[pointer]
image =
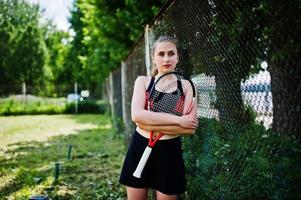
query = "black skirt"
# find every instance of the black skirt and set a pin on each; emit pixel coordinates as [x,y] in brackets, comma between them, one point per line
[164,170]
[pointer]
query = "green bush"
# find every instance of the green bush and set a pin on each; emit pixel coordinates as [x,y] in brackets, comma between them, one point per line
[15,105]
[241,162]
[37,105]
[87,106]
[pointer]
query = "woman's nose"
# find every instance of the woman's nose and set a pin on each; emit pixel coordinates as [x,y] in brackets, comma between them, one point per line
[166,58]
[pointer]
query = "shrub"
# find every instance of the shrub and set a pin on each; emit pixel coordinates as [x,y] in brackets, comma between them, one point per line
[15,105]
[87,106]
[241,162]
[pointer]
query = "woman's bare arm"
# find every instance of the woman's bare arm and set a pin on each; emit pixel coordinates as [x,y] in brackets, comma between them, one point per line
[187,104]
[167,129]
[140,115]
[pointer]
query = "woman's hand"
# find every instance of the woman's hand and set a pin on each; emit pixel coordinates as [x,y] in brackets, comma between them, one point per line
[189,121]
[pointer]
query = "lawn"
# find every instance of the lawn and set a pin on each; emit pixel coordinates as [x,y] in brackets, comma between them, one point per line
[30,146]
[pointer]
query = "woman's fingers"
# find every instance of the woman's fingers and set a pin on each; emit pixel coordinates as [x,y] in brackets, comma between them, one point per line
[189,121]
[194,122]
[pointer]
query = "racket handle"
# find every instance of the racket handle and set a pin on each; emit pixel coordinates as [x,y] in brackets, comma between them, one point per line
[142,162]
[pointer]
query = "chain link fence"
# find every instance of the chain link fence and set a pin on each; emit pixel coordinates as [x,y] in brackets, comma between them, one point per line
[245,62]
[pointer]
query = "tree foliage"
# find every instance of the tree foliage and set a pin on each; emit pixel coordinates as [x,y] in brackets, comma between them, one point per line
[46,58]
[57,47]
[22,49]
[264,30]
[105,31]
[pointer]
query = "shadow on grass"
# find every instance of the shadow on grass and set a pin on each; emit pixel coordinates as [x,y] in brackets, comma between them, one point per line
[95,119]
[23,177]
[92,171]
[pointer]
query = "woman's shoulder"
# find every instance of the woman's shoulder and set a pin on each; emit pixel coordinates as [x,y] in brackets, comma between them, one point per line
[143,79]
[187,84]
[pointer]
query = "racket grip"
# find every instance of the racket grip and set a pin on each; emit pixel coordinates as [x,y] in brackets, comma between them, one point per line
[142,162]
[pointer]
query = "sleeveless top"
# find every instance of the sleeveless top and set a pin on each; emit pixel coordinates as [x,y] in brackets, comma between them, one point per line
[172,102]
[180,94]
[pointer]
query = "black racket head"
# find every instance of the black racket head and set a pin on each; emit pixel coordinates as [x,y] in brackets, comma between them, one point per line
[170,94]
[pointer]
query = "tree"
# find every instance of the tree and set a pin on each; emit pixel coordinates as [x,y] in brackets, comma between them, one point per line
[272,30]
[215,38]
[105,31]
[57,46]
[281,38]
[233,38]
[74,70]
[22,49]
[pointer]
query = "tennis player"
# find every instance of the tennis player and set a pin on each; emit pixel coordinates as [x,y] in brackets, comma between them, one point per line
[164,171]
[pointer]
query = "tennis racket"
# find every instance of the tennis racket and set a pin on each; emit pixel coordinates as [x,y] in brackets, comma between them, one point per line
[172,93]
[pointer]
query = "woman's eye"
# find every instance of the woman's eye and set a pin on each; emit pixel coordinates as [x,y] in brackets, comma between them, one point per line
[161,54]
[171,54]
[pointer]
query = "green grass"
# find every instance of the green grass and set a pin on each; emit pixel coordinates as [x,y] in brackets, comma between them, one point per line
[30,145]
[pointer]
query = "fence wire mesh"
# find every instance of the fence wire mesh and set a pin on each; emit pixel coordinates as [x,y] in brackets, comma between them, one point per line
[113,92]
[132,67]
[244,61]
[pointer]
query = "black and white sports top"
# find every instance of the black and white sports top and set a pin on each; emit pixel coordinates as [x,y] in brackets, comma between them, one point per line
[157,101]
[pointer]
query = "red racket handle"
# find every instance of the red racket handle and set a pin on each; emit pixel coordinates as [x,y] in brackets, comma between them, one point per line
[151,141]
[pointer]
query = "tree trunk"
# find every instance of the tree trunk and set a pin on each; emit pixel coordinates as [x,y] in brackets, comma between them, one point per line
[286,91]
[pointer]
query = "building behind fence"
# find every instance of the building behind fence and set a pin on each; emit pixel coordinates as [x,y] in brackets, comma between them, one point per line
[246,146]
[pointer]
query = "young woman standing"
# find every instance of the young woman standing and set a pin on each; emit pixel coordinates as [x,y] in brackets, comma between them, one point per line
[164,171]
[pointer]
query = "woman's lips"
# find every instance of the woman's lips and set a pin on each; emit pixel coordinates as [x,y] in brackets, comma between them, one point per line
[167,66]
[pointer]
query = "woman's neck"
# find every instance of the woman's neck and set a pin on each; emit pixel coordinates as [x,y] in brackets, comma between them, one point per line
[159,74]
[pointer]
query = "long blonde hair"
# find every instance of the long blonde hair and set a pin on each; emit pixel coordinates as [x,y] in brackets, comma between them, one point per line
[162,38]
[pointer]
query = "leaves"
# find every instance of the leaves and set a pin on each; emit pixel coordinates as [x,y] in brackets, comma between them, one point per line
[105,31]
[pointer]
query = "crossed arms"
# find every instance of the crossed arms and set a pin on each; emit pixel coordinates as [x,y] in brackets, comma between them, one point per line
[159,121]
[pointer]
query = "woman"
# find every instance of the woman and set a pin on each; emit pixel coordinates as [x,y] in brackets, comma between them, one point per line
[164,171]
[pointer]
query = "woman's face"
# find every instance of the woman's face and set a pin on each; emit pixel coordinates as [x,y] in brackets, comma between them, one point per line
[165,57]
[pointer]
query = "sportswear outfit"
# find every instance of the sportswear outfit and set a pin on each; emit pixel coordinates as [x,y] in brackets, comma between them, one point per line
[164,170]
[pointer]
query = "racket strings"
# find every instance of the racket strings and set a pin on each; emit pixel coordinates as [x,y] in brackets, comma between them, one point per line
[172,103]
[167,95]
[180,104]
[167,102]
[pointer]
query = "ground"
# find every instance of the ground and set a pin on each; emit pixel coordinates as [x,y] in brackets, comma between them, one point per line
[31,145]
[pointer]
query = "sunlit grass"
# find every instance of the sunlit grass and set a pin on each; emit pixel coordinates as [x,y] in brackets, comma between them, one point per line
[28,157]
